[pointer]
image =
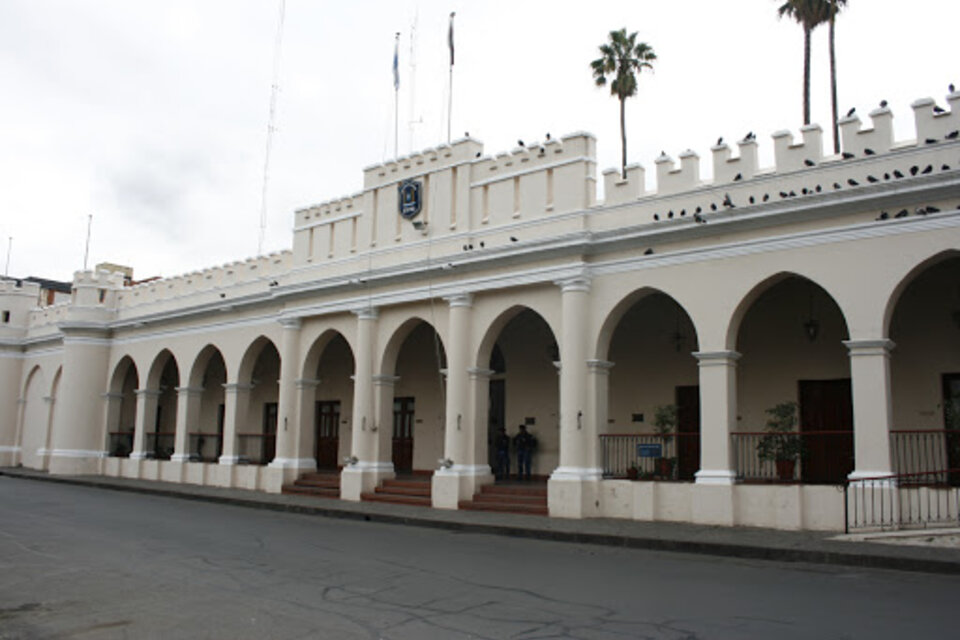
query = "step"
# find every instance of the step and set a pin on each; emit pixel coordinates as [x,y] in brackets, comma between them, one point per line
[404,491]
[317,482]
[531,509]
[395,498]
[407,483]
[488,498]
[509,489]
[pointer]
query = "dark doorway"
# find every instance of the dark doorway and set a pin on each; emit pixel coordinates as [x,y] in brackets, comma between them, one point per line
[268,449]
[688,431]
[826,421]
[951,422]
[496,417]
[328,434]
[221,415]
[403,435]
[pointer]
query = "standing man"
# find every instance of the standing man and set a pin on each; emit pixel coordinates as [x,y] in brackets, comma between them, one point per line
[502,448]
[525,444]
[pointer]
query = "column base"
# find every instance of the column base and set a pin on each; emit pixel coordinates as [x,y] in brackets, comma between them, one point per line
[712,503]
[9,456]
[67,462]
[460,482]
[285,470]
[363,477]
[722,477]
[574,492]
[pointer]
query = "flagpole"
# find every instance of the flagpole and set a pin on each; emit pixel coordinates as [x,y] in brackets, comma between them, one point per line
[6,269]
[450,94]
[396,97]
[86,249]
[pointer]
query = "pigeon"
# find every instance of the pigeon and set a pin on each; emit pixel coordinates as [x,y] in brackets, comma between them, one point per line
[903,213]
[931,141]
[481,244]
[464,247]
[871,179]
[793,194]
[804,191]
[520,143]
[513,239]
[749,136]
[713,206]
[719,141]
[752,200]
[548,135]
[932,209]
[938,109]
[478,155]
[847,155]
[945,167]
[670,213]
[836,185]
[853,183]
[648,252]
[698,210]
[656,217]
[951,88]
[883,104]
[819,189]
[869,152]
[897,174]
[921,211]
[727,202]
[928,169]
[809,162]
[851,112]
[698,218]
[470,246]
[738,177]
[683,212]
[914,170]
[766,197]
[783,194]
[886,176]
[952,135]
[883,215]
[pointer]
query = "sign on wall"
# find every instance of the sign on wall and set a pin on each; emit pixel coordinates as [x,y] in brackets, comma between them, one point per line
[410,199]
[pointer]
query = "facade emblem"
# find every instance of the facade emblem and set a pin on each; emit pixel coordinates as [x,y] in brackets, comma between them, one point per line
[410,201]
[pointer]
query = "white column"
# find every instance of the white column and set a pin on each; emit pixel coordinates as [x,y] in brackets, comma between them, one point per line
[364,470]
[718,416]
[479,415]
[307,420]
[598,382]
[146,420]
[872,407]
[188,419]
[112,401]
[573,486]
[459,474]
[235,399]
[288,412]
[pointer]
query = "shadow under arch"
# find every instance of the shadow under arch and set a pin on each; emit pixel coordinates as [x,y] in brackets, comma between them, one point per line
[615,316]
[758,290]
[121,371]
[911,276]
[200,364]
[496,327]
[250,357]
[391,353]
[316,351]
[157,367]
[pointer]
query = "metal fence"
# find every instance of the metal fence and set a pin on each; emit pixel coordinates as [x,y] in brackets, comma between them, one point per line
[820,457]
[256,448]
[902,501]
[926,450]
[205,447]
[650,455]
[120,444]
[159,446]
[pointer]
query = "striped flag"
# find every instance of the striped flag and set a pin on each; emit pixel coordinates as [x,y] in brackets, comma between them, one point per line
[396,63]
[450,36]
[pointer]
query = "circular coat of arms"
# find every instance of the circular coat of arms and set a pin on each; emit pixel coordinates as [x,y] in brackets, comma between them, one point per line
[410,199]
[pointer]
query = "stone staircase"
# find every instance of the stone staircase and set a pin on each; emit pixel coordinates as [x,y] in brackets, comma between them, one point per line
[520,497]
[412,490]
[319,484]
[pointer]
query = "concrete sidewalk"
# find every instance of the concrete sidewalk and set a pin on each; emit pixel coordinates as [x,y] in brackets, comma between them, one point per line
[737,542]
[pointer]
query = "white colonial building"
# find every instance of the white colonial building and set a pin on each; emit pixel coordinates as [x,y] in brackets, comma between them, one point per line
[506,294]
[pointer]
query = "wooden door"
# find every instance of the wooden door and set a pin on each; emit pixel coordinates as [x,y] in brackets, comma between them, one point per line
[688,430]
[403,435]
[496,418]
[268,449]
[328,434]
[826,420]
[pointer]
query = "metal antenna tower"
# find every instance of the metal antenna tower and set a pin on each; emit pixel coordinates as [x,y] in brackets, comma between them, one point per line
[274,89]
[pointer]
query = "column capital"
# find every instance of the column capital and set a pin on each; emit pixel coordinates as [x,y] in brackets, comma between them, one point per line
[290,322]
[112,395]
[477,373]
[236,387]
[367,313]
[385,380]
[459,300]
[147,392]
[189,391]
[307,383]
[600,367]
[879,347]
[575,284]
[716,358]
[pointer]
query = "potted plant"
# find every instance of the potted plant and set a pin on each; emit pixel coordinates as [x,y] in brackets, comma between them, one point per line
[782,444]
[665,424]
[633,472]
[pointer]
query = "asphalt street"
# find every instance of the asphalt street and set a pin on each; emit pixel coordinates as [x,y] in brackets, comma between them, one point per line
[85,563]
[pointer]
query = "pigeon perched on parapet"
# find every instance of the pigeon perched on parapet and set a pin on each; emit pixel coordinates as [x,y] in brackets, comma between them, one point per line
[719,141]
[883,215]
[903,213]
[836,185]
[656,217]
[931,209]
[869,152]
[931,141]
[670,213]
[727,202]
[713,206]
[738,177]
[548,135]
[648,252]
[478,155]
[921,211]
[883,104]
[945,167]
[804,191]
[513,239]
[847,155]
[766,197]
[853,183]
[897,173]
[886,176]
[872,179]
[928,169]
[683,212]
[952,135]
[851,112]
[938,109]
[784,194]
[699,219]
[698,210]
[914,170]
[749,136]
[951,88]
[809,163]
[819,189]
[752,200]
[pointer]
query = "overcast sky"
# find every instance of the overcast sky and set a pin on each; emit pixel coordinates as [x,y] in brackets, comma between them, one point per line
[151,115]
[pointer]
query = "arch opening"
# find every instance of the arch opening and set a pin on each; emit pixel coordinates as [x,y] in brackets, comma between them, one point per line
[122,408]
[330,406]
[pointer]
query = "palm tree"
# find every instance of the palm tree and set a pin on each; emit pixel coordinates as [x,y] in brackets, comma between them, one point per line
[835,8]
[810,14]
[622,58]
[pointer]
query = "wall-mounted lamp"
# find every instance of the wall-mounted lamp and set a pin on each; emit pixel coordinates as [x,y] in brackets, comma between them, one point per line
[421,226]
[811,327]
[445,463]
[350,460]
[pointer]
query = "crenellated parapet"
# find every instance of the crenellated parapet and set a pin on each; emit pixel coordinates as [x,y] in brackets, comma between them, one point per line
[743,167]
[673,179]
[934,122]
[17,299]
[796,156]
[877,139]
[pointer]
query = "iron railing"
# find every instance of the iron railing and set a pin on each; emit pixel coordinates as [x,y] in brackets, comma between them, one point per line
[902,501]
[256,448]
[821,457]
[120,444]
[205,447]
[159,445]
[926,450]
[650,455]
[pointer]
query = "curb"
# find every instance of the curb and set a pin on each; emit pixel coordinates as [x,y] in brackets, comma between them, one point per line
[720,549]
